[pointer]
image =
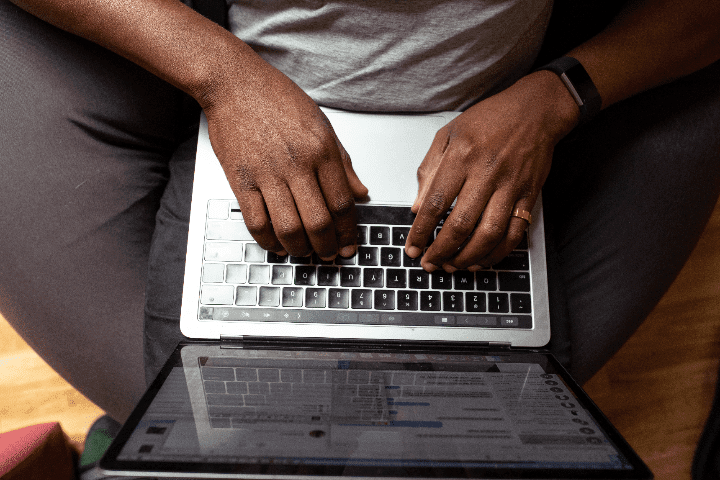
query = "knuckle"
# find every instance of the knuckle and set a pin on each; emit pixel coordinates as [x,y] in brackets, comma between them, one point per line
[319,226]
[342,207]
[461,222]
[289,230]
[256,226]
[243,177]
[493,231]
[436,203]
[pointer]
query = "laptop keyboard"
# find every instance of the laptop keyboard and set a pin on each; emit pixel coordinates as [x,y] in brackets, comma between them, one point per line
[379,285]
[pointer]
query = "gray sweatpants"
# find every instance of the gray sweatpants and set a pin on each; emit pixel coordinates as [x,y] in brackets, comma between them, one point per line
[96,162]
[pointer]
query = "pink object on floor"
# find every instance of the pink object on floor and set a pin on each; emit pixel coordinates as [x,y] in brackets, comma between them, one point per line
[36,452]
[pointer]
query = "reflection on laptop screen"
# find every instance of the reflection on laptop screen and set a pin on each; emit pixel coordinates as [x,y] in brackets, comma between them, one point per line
[370,409]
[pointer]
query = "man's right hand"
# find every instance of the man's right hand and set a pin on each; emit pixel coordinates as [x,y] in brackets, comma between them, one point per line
[292,177]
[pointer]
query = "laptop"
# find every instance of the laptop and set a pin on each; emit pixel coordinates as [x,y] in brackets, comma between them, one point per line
[369,366]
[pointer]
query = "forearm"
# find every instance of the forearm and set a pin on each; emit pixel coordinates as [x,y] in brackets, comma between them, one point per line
[650,43]
[163,36]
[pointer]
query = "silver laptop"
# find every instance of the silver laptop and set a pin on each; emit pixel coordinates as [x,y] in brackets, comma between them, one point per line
[366,367]
[234,289]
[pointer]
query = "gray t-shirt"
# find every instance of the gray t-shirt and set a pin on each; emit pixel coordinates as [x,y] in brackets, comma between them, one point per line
[395,55]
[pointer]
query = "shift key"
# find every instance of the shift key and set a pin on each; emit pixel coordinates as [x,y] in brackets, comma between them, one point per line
[514,281]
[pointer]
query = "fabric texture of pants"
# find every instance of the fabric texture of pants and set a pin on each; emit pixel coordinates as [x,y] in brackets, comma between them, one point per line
[97,160]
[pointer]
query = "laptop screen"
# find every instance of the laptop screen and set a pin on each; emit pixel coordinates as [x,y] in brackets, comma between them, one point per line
[238,413]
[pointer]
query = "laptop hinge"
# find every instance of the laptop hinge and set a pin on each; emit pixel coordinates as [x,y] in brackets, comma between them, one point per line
[232,341]
[241,341]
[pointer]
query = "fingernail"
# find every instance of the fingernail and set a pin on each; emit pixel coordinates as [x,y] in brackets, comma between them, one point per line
[428,267]
[449,268]
[281,253]
[474,268]
[347,251]
[413,251]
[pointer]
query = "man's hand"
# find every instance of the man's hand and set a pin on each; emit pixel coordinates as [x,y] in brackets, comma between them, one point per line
[493,158]
[293,179]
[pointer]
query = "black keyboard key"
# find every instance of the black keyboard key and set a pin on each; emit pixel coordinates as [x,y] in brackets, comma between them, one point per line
[379,235]
[319,261]
[368,256]
[464,280]
[346,260]
[514,261]
[475,302]
[396,278]
[328,276]
[275,258]
[486,280]
[282,275]
[350,277]
[373,277]
[305,275]
[407,300]
[514,281]
[419,279]
[498,303]
[452,301]
[411,262]
[441,280]
[269,297]
[292,297]
[390,256]
[520,303]
[384,300]
[300,260]
[361,299]
[339,298]
[315,297]
[399,235]
[430,301]
[362,235]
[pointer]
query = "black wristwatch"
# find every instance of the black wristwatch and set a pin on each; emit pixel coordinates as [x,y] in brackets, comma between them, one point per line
[580,85]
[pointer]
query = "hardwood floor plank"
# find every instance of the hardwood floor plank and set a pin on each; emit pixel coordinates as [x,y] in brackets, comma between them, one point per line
[31,392]
[659,387]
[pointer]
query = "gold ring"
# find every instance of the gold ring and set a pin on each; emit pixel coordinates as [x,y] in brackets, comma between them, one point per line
[524,214]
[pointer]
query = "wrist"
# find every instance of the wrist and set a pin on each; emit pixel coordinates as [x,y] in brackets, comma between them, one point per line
[558,108]
[579,84]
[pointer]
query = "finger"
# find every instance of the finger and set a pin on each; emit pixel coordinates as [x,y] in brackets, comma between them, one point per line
[489,233]
[286,223]
[340,203]
[460,224]
[316,218]
[257,221]
[435,204]
[428,167]
[515,233]
[359,190]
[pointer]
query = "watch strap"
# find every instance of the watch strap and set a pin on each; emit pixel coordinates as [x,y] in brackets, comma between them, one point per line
[579,84]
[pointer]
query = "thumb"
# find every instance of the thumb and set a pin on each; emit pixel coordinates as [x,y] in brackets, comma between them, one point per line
[358,189]
[427,170]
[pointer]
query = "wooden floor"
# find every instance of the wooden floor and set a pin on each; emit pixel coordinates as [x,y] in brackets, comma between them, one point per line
[657,389]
